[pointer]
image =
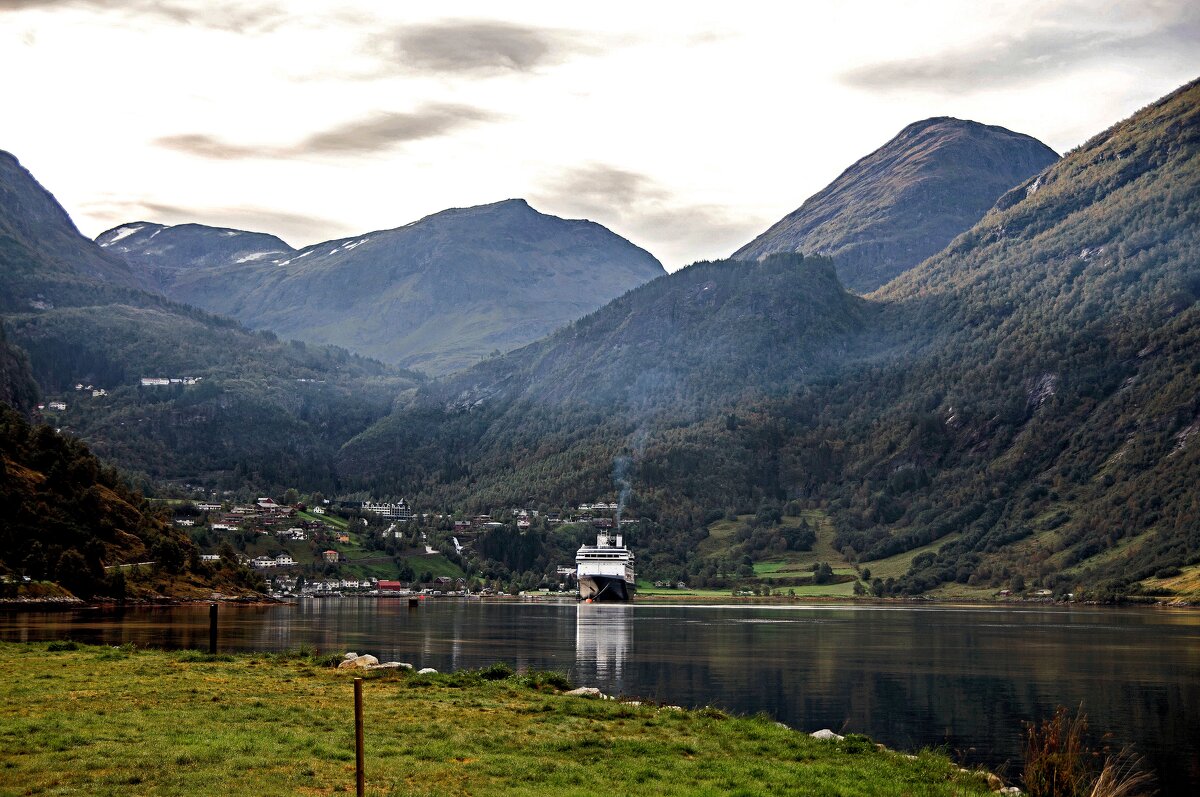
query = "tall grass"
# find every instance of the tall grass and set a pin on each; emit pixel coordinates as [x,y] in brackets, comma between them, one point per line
[1060,762]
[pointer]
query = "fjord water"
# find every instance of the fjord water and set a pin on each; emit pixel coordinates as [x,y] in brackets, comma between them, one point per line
[965,678]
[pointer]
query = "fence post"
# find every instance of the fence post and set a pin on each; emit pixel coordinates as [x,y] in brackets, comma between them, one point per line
[360,773]
[212,628]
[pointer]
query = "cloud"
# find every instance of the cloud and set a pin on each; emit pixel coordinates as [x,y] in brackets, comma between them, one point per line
[385,130]
[380,131]
[1048,48]
[228,16]
[480,47]
[289,226]
[634,205]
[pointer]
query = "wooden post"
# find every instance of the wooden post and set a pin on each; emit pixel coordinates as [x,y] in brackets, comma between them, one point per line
[212,628]
[360,773]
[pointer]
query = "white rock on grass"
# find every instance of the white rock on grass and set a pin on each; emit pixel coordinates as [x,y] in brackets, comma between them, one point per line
[393,665]
[585,691]
[827,735]
[426,671]
[350,656]
[359,663]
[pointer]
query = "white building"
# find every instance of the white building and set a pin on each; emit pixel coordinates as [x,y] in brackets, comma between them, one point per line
[392,511]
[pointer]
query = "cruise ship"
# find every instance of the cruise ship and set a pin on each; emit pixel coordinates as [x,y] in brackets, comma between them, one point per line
[605,570]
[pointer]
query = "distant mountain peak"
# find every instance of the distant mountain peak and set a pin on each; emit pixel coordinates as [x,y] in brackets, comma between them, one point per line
[906,200]
[439,293]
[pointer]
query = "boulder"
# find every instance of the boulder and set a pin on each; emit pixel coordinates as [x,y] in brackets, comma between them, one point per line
[350,657]
[426,671]
[826,735]
[359,663]
[585,691]
[393,665]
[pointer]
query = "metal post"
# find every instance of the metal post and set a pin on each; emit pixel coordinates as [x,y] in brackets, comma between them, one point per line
[360,772]
[212,628]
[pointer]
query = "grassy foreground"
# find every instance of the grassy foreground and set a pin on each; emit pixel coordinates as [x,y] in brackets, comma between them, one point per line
[101,721]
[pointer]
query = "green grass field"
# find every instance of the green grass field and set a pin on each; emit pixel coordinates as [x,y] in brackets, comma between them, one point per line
[115,721]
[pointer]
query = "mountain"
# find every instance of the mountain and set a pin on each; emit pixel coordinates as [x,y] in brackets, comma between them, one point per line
[439,294]
[906,200]
[164,255]
[677,349]
[43,258]
[254,411]
[1018,410]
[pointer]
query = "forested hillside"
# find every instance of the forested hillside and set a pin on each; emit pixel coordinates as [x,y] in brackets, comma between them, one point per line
[548,420]
[71,521]
[1029,395]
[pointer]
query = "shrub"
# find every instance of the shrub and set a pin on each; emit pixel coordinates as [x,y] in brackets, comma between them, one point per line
[497,671]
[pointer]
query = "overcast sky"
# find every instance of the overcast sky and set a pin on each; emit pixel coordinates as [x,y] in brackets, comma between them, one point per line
[686,127]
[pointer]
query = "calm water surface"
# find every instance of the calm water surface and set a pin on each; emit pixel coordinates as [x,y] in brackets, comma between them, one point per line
[962,678]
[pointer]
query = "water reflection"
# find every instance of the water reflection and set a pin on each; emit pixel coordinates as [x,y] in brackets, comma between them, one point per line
[910,676]
[602,639]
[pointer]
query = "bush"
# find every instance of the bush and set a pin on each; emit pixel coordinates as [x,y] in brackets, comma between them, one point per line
[497,672]
[65,644]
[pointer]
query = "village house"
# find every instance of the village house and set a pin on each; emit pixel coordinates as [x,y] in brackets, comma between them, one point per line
[61,406]
[262,562]
[183,521]
[318,510]
[209,507]
[209,557]
[330,556]
[284,560]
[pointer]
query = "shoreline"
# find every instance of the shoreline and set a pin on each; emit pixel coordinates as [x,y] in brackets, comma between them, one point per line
[63,603]
[269,724]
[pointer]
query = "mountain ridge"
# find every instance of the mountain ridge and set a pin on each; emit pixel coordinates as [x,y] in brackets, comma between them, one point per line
[439,293]
[907,199]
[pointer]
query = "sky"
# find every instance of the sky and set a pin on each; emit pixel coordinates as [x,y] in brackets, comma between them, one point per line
[687,128]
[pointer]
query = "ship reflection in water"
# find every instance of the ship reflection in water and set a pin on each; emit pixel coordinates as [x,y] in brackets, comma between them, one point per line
[602,637]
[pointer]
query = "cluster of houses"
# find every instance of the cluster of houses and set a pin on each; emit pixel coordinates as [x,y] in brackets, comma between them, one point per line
[165,381]
[96,392]
[292,586]
[265,513]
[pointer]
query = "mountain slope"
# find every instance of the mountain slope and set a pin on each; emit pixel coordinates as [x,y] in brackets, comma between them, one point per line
[438,294]
[43,258]
[67,517]
[906,200]
[258,412]
[677,350]
[1028,399]
[17,386]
